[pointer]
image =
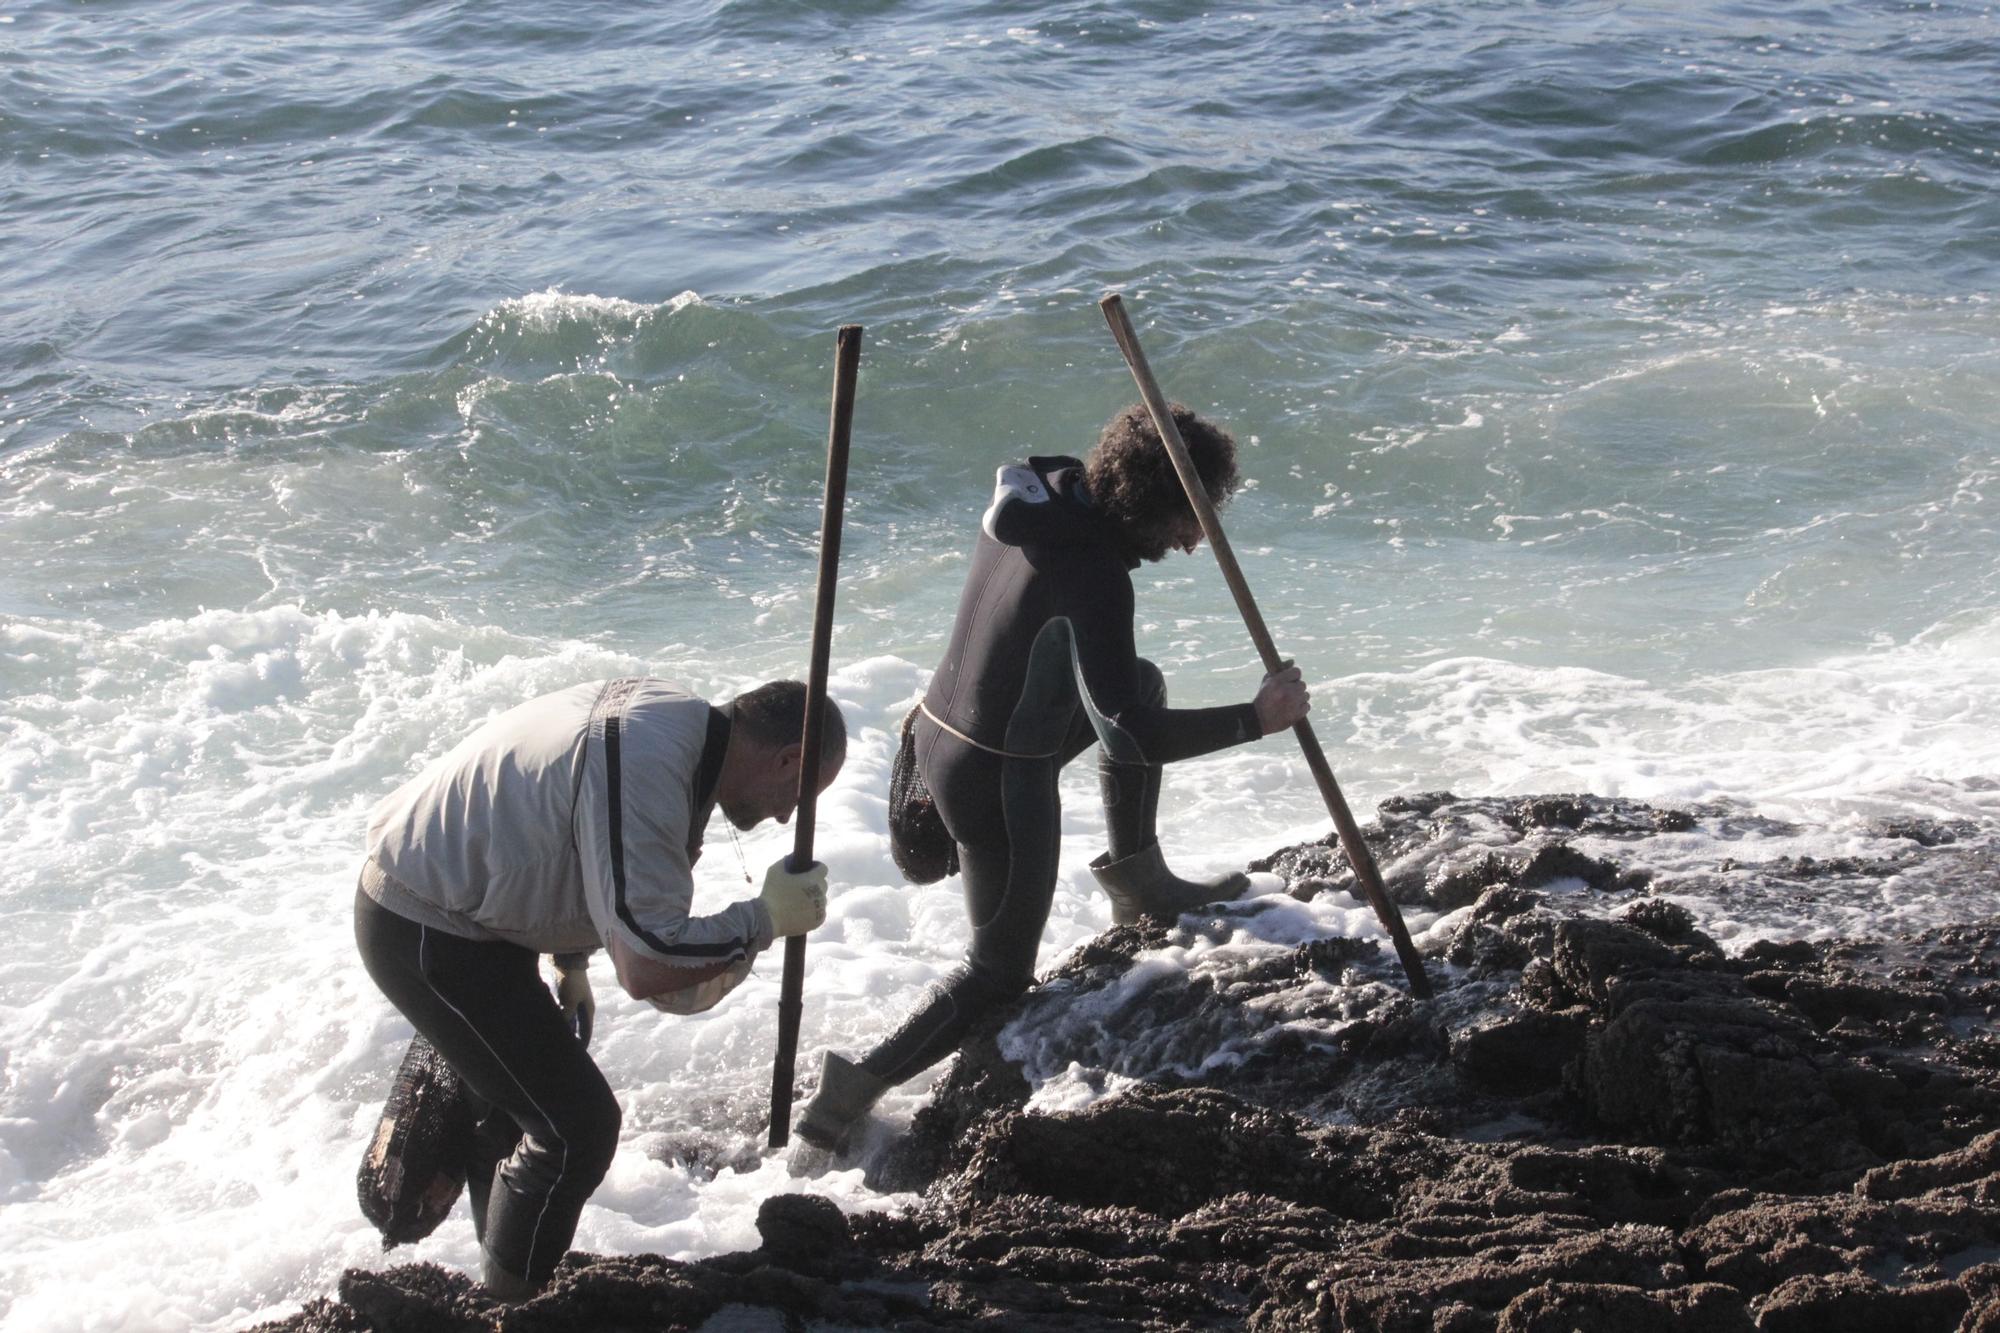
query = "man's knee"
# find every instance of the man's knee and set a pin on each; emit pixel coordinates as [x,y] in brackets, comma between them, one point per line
[591,1129]
[573,1151]
[1152,684]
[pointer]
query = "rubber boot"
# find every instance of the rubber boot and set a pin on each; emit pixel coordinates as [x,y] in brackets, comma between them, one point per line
[505,1287]
[1141,885]
[846,1092]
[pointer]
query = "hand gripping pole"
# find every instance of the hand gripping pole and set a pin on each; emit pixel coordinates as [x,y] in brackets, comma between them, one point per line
[791,990]
[1351,842]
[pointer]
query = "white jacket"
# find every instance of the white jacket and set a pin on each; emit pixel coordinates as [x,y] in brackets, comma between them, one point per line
[564,820]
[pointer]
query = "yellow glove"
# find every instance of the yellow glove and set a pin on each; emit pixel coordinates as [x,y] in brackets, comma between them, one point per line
[579,1006]
[795,900]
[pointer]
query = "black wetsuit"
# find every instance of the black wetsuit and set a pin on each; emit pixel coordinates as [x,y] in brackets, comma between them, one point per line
[564,820]
[1041,664]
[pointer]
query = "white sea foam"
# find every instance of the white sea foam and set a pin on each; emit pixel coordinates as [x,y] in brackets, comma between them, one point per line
[552,307]
[194,1056]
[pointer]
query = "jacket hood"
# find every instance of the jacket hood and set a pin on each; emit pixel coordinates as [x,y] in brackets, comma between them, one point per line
[1042,500]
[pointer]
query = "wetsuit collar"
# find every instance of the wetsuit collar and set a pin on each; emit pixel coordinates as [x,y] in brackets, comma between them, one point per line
[1066,480]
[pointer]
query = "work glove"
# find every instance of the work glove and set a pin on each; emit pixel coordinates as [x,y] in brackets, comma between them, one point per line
[796,900]
[579,1006]
[703,995]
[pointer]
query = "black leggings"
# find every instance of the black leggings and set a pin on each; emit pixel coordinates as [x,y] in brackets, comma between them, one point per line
[549,1123]
[1005,816]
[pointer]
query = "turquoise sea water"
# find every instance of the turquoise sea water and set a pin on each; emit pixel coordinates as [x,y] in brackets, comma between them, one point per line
[1618,386]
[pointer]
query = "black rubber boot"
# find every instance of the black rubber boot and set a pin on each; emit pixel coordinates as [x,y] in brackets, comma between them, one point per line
[503,1286]
[846,1092]
[1141,885]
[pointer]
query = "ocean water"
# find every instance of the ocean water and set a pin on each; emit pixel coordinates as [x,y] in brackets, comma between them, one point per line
[1617,385]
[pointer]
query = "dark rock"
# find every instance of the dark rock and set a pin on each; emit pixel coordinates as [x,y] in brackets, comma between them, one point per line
[1772,1239]
[1558,861]
[1595,1123]
[1668,922]
[1454,885]
[1691,1063]
[1543,987]
[1505,901]
[416,1298]
[1781,953]
[1167,1152]
[1826,1002]
[982,1083]
[1312,863]
[1921,831]
[1853,1303]
[1332,957]
[1589,955]
[1569,1307]
[801,1230]
[1485,950]
[1522,1053]
[1552,812]
[1971,1173]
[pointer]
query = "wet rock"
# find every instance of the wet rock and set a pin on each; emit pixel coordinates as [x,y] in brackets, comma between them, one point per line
[1971,1173]
[1769,1240]
[1552,812]
[1921,831]
[980,1084]
[1307,869]
[1689,1062]
[1557,861]
[801,1231]
[416,1298]
[1504,902]
[1542,986]
[1673,925]
[1520,1053]
[1667,922]
[1453,885]
[1568,1307]
[1167,1152]
[1855,1303]
[1590,955]
[1484,950]
[1601,1121]
[1781,954]
[1418,805]
[1331,958]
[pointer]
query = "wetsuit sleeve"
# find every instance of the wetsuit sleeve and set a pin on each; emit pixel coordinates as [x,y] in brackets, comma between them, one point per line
[632,838]
[1132,728]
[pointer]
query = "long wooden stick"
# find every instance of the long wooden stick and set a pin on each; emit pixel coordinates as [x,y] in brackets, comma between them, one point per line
[1358,855]
[791,991]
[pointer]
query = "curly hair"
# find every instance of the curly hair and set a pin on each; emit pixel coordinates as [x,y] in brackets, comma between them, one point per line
[1132,479]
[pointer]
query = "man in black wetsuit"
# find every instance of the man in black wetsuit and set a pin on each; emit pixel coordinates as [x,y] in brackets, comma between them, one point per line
[1042,664]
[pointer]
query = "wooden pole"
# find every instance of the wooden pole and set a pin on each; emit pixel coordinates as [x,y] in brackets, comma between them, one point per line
[791,990]
[1358,855]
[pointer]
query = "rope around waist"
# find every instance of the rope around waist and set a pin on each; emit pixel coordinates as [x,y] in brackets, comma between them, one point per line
[950,730]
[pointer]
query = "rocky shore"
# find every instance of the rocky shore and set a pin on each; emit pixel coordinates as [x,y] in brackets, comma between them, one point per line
[1603,1121]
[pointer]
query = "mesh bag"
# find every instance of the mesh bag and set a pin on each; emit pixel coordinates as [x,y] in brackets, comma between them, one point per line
[918,839]
[415,1165]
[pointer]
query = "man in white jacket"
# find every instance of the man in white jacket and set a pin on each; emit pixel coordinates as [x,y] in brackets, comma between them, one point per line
[570,822]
